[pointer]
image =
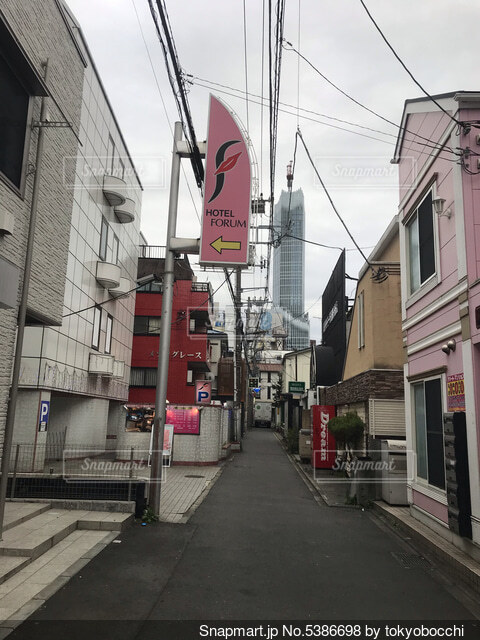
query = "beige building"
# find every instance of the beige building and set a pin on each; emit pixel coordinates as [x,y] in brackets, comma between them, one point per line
[375,336]
[372,381]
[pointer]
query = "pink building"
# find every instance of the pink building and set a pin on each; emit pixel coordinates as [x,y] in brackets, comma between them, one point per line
[439,215]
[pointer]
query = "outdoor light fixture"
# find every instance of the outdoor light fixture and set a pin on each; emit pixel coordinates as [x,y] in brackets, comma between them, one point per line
[438,203]
[451,345]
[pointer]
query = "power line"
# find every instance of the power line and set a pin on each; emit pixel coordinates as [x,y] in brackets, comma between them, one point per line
[199,82]
[171,60]
[331,201]
[357,102]
[163,103]
[245,59]
[405,67]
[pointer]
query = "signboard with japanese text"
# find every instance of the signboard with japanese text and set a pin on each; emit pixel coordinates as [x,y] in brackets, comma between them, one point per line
[203,391]
[168,442]
[185,420]
[456,392]
[296,387]
[226,205]
[323,443]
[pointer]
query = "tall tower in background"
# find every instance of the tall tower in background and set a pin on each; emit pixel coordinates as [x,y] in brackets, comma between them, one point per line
[289,266]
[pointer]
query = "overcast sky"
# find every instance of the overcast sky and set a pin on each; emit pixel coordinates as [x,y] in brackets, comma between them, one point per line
[435,38]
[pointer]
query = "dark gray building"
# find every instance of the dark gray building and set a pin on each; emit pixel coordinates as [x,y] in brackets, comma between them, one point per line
[289,268]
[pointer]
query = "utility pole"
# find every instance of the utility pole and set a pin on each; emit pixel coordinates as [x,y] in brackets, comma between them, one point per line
[238,355]
[165,331]
[174,245]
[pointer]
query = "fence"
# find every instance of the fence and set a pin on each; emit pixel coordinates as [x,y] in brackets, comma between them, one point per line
[78,472]
[152,251]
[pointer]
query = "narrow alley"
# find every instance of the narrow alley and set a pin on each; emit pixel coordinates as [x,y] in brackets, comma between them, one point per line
[259,547]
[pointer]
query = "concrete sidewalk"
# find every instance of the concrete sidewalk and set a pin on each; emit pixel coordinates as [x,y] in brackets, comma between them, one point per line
[183,490]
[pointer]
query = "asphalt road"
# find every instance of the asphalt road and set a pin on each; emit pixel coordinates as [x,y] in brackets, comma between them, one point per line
[259,547]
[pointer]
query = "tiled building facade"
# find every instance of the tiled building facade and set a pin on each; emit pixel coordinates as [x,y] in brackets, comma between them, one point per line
[23,54]
[77,347]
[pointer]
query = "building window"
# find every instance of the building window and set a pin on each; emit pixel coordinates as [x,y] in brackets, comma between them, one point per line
[421,244]
[115,246]
[151,287]
[108,335]
[102,251]
[121,169]
[143,377]
[97,321]
[110,156]
[428,417]
[145,325]
[14,107]
[361,320]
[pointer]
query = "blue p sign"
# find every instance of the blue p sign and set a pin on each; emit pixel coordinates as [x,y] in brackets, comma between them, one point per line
[203,391]
[44,411]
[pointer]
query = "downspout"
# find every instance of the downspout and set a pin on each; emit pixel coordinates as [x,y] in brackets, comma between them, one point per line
[22,313]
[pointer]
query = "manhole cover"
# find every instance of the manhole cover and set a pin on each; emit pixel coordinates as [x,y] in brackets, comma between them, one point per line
[411,560]
[194,476]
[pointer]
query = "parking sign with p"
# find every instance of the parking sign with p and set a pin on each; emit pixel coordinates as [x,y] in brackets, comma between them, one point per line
[43,418]
[203,392]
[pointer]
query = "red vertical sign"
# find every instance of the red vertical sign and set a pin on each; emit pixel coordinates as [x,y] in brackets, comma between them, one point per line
[323,443]
[226,200]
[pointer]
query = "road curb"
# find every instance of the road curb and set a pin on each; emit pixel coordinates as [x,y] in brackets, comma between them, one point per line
[459,563]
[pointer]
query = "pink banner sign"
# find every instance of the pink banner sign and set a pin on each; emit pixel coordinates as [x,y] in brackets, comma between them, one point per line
[456,392]
[185,420]
[226,203]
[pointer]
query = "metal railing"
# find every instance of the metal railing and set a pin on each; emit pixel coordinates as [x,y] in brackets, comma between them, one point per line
[204,287]
[152,251]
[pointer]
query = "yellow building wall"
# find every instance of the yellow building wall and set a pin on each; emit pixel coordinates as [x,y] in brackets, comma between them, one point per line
[382,319]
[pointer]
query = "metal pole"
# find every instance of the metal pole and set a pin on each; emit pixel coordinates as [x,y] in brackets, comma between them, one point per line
[22,313]
[238,352]
[165,331]
[15,467]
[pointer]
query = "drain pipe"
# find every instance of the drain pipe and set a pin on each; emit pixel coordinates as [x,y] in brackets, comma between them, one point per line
[22,313]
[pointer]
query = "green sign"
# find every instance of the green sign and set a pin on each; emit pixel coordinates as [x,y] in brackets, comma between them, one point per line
[296,387]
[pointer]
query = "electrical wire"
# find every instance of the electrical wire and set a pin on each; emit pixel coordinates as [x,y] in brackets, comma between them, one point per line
[400,128]
[327,124]
[163,103]
[331,201]
[245,59]
[176,82]
[449,115]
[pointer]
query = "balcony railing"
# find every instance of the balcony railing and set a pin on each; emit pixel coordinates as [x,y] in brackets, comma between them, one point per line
[204,287]
[152,251]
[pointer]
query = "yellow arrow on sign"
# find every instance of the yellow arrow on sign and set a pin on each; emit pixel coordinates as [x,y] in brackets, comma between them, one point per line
[220,244]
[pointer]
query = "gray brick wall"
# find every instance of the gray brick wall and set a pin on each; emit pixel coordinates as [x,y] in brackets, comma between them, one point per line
[41,30]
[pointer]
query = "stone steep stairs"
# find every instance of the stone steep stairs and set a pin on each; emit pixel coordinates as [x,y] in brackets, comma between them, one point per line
[42,548]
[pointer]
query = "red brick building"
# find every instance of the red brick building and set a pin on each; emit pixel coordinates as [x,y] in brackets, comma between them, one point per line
[189,349]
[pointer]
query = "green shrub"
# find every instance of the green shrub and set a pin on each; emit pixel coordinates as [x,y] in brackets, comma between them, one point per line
[292,440]
[347,429]
[149,516]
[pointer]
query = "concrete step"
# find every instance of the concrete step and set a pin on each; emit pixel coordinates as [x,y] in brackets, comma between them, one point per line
[18,512]
[30,587]
[35,536]
[10,565]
